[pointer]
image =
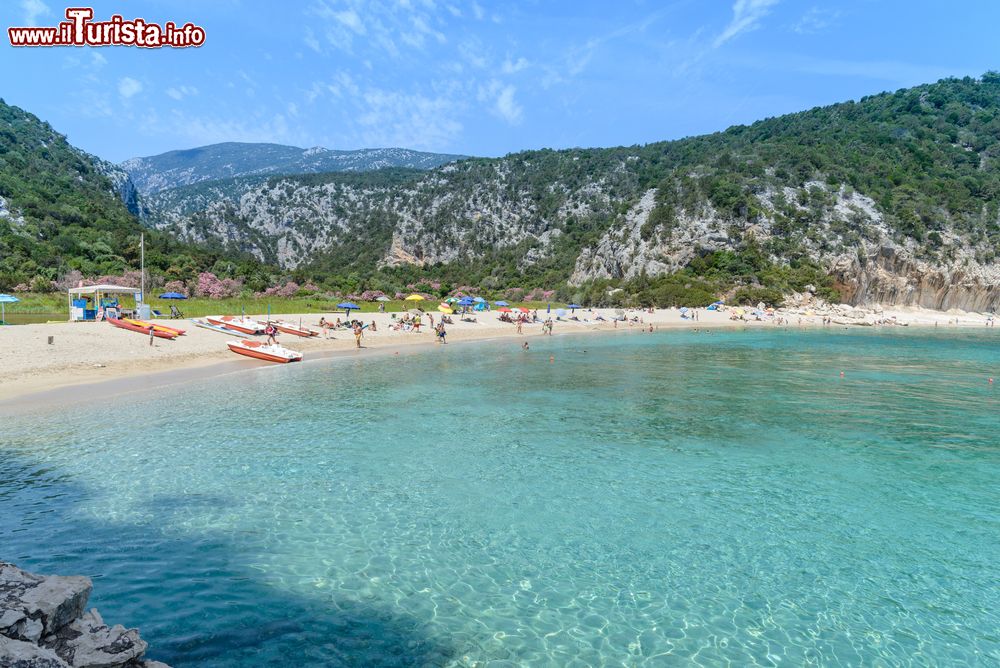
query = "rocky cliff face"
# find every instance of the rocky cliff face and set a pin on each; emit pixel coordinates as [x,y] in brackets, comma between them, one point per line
[43,624]
[897,196]
[443,217]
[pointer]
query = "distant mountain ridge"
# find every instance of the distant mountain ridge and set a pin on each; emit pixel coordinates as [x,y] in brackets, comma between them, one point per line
[233,159]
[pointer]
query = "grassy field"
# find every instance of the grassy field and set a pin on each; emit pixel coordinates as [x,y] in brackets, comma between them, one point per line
[56,305]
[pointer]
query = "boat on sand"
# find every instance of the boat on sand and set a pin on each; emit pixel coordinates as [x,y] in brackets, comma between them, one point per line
[296,330]
[237,324]
[159,328]
[263,351]
[204,324]
[122,324]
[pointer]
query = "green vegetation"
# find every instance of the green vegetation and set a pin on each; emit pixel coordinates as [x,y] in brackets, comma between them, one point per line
[928,157]
[62,215]
[55,305]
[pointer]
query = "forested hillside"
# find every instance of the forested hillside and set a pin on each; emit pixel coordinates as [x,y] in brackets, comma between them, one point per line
[893,197]
[60,213]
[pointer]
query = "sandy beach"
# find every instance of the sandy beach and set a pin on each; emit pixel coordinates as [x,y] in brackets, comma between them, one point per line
[83,353]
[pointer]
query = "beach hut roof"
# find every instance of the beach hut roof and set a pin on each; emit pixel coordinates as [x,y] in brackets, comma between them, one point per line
[94,289]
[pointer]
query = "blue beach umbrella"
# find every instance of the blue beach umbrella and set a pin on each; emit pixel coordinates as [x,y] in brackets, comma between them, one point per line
[348,306]
[172,295]
[574,307]
[501,303]
[466,301]
[478,300]
[6,299]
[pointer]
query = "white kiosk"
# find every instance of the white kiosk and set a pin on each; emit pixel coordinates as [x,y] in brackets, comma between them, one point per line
[89,302]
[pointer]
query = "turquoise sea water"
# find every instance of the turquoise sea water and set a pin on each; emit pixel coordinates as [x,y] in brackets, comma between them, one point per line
[681,498]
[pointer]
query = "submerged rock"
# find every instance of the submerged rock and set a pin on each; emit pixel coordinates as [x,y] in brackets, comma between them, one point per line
[43,625]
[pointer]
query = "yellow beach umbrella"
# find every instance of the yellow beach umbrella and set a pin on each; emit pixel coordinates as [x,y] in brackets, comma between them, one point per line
[444,308]
[414,298]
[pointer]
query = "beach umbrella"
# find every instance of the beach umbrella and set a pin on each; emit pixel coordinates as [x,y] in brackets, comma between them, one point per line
[501,303]
[451,300]
[504,309]
[172,295]
[465,301]
[444,308]
[561,312]
[574,307]
[348,307]
[414,298]
[524,310]
[684,309]
[548,307]
[4,300]
[478,300]
[383,298]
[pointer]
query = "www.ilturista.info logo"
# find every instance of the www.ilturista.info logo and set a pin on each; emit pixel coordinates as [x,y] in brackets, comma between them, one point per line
[80,30]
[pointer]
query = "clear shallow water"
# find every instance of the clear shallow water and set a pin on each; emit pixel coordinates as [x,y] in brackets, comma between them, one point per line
[668,499]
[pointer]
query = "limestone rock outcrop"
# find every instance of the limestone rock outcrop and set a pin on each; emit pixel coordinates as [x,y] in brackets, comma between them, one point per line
[43,624]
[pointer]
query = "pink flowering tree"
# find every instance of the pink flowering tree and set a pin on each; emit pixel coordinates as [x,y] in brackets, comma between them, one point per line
[175,286]
[211,286]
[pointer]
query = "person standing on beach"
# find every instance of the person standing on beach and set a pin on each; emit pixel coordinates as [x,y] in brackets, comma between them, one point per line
[271,331]
[441,333]
[357,334]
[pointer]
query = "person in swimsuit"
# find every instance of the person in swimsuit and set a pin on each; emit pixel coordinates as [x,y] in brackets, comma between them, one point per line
[271,332]
[357,334]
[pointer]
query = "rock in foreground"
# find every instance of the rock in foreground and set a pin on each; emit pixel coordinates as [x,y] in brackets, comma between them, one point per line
[43,625]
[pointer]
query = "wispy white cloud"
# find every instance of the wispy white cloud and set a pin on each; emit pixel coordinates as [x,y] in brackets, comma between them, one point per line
[310,40]
[388,27]
[414,120]
[500,97]
[181,92]
[508,109]
[127,87]
[33,11]
[747,15]
[816,20]
[577,58]
[97,60]
[514,66]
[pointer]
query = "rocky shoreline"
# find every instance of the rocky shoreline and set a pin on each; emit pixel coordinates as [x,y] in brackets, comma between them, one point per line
[43,624]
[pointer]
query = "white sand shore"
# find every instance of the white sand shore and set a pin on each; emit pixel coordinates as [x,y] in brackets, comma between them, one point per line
[94,352]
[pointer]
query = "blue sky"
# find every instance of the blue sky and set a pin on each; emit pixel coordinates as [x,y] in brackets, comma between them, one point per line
[481,78]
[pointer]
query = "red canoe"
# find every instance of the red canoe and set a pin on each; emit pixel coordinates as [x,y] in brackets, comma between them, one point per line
[261,351]
[122,324]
